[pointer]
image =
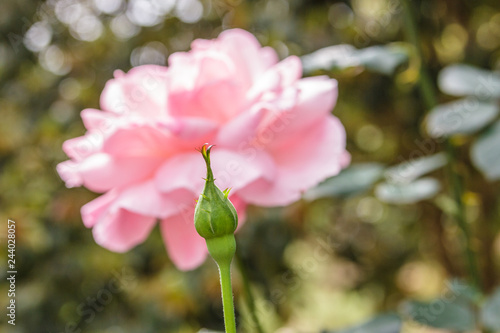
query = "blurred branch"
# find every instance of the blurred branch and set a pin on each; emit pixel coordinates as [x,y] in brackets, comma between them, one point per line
[248,292]
[429,95]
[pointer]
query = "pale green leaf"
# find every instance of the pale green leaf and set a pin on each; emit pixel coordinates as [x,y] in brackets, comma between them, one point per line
[490,312]
[485,152]
[400,193]
[465,80]
[354,179]
[443,313]
[412,169]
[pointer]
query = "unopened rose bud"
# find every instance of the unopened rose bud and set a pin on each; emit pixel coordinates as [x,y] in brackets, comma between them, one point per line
[215,217]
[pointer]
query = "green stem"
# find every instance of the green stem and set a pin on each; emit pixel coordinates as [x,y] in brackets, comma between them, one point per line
[227,296]
[429,95]
[424,83]
[248,293]
[457,191]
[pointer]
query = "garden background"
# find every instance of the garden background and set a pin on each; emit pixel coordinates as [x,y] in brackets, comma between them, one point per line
[358,246]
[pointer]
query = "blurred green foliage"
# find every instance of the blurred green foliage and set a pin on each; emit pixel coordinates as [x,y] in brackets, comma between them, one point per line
[319,264]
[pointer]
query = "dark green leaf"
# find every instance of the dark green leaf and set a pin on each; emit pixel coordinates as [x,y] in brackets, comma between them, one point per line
[399,193]
[490,312]
[355,179]
[464,116]
[485,152]
[444,313]
[386,323]
[412,169]
[465,80]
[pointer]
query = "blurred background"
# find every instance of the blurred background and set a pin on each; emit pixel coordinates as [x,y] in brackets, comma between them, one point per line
[326,262]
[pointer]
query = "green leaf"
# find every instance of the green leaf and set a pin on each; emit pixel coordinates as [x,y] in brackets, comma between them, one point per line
[412,169]
[399,193]
[490,312]
[381,59]
[386,323]
[330,58]
[485,153]
[355,179]
[443,313]
[464,116]
[465,80]
[463,292]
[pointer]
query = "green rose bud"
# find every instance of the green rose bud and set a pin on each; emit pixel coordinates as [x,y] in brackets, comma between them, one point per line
[215,217]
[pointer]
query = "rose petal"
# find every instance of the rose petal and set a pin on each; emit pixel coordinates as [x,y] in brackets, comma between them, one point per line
[248,56]
[237,169]
[185,247]
[241,129]
[194,130]
[98,120]
[301,163]
[209,88]
[316,99]
[231,170]
[95,209]
[139,140]
[81,147]
[184,171]
[145,198]
[121,230]
[142,91]
[102,172]
[278,77]
[69,173]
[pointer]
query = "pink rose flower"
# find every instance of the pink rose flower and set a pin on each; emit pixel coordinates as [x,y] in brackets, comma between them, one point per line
[273,132]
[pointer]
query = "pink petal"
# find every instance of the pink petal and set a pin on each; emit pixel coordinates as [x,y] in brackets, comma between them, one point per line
[81,147]
[240,130]
[236,169]
[248,56]
[95,209]
[278,77]
[142,91]
[145,198]
[191,129]
[98,120]
[213,67]
[185,247]
[102,172]
[302,162]
[138,140]
[231,170]
[183,171]
[69,173]
[205,85]
[121,230]
[221,101]
[316,98]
